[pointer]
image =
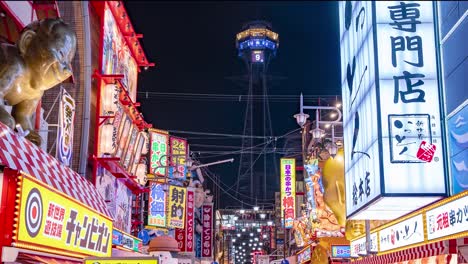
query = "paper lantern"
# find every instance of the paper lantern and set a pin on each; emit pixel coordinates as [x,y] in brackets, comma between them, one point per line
[105,139]
[146,144]
[109,98]
[141,173]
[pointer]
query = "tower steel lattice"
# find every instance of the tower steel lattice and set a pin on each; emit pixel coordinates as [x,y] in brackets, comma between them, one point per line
[257,45]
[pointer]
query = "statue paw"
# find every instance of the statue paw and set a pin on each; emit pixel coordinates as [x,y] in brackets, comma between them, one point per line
[35,138]
[7,119]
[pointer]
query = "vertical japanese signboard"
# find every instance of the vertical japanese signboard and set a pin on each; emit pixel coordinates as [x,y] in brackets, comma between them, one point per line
[159,150]
[177,198]
[157,205]
[288,191]
[207,232]
[390,106]
[65,128]
[178,158]
[184,236]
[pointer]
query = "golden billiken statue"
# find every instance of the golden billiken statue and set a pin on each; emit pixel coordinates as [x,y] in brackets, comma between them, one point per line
[39,61]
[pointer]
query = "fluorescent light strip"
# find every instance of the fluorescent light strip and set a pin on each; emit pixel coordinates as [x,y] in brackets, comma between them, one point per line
[454,27]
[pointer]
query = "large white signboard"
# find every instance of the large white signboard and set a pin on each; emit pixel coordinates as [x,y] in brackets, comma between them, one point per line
[448,219]
[391,107]
[405,233]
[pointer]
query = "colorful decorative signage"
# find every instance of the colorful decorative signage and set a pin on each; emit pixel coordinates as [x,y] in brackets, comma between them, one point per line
[178,158]
[458,138]
[288,191]
[48,218]
[189,220]
[448,219]
[128,260]
[340,251]
[358,246]
[176,206]
[159,151]
[405,233]
[304,255]
[207,232]
[390,106]
[116,56]
[65,128]
[127,241]
[157,204]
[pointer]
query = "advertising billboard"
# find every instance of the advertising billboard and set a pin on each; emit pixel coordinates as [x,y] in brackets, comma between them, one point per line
[178,157]
[288,191]
[176,205]
[50,219]
[207,232]
[157,204]
[391,108]
[65,128]
[159,150]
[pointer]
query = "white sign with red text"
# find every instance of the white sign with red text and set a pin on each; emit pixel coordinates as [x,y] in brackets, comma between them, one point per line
[448,219]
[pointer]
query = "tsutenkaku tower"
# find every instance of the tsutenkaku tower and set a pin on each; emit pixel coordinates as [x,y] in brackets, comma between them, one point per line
[257,45]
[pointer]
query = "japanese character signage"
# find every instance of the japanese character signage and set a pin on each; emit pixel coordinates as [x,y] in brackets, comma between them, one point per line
[49,218]
[159,151]
[288,191]
[185,237]
[207,231]
[390,104]
[178,158]
[65,128]
[127,241]
[405,233]
[122,260]
[448,219]
[358,246]
[176,205]
[190,218]
[157,204]
[340,251]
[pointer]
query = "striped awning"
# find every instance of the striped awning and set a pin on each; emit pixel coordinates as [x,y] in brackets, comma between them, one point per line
[20,154]
[431,249]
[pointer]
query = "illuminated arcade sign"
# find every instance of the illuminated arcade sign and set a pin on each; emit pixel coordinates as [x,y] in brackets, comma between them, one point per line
[159,141]
[127,241]
[157,204]
[288,191]
[127,260]
[177,197]
[391,114]
[50,219]
[448,219]
[340,251]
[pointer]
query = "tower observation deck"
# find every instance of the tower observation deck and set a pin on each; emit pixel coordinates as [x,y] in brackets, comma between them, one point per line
[256,44]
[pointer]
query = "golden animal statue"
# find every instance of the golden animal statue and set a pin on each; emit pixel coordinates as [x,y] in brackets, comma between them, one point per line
[320,253]
[333,183]
[40,60]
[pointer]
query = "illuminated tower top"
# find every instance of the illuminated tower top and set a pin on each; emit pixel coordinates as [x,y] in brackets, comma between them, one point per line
[257,40]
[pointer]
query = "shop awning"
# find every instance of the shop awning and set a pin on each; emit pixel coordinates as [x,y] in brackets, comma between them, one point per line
[445,247]
[20,154]
[17,255]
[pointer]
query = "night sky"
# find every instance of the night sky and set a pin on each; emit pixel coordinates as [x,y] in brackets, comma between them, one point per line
[193,46]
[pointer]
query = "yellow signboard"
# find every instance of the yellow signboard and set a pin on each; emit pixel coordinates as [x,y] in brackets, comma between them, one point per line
[48,219]
[177,197]
[132,260]
[288,191]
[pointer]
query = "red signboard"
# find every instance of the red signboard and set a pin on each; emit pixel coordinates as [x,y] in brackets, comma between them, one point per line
[180,237]
[189,227]
[184,237]
[207,233]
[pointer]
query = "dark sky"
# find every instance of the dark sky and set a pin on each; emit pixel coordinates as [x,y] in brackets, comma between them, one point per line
[193,46]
